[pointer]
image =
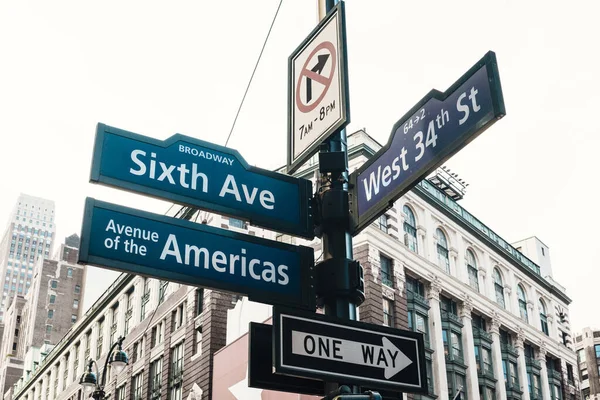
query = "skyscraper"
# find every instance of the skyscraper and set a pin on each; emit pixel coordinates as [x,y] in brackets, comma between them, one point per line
[29,235]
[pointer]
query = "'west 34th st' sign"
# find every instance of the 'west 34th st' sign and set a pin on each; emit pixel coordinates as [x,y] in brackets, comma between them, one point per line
[432,131]
[203,175]
[162,247]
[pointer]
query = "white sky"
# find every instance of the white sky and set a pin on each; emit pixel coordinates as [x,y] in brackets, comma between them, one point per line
[158,68]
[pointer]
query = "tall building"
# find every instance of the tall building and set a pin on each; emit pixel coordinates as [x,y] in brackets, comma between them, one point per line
[54,302]
[29,235]
[495,326]
[587,345]
[35,322]
[11,366]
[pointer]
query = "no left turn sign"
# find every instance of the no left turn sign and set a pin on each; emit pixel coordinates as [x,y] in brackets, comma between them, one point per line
[318,101]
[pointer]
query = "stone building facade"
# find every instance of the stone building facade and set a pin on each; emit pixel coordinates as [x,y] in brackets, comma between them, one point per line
[587,346]
[495,326]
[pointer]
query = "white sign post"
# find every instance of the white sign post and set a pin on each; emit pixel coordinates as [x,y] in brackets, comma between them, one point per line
[318,89]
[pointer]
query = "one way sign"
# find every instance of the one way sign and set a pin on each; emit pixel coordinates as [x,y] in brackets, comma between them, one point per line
[317,346]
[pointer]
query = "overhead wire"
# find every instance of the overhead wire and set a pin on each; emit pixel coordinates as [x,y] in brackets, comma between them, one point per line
[253,72]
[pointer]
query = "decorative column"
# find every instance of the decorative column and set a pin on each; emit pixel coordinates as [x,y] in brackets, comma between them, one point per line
[469,349]
[519,345]
[514,300]
[53,372]
[71,376]
[437,342]
[532,314]
[497,357]
[508,300]
[454,268]
[482,279]
[44,386]
[60,372]
[541,357]
[422,247]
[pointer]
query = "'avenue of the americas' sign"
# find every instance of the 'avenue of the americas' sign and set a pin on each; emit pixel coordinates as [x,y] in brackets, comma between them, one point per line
[167,248]
[203,175]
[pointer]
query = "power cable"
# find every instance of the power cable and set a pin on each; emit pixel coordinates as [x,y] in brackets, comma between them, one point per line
[254,71]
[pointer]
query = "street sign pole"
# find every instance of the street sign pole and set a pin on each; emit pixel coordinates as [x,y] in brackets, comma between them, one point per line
[339,283]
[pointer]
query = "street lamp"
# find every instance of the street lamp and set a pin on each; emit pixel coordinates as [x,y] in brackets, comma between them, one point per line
[118,360]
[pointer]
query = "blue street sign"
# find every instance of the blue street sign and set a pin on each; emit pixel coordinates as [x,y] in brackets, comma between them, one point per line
[161,247]
[203,175]
[431,132]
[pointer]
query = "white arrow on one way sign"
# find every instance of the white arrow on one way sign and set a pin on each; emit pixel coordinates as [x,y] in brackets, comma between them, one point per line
[386,356]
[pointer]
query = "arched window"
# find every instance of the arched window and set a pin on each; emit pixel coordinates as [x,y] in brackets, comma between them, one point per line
[499,288]
[442,250]
[543,317]
[410,229]
[522,303]
[472,270]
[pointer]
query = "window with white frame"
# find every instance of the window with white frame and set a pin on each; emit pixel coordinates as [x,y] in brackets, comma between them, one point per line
[543,317]
[522,303]
[442,250]
[472,270]
[499,288]
[410,229]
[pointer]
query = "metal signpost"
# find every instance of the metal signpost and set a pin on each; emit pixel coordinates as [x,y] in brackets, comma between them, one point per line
[161,247]
[431,132]
[203,175]
[321,347]
[311,353]
[318,88]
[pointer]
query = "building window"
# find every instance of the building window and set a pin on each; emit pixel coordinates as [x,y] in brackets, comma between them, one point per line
[162,290]
[386,270]
[199,301]
[383,223]
[499,288]
[76,361]
[157,334]
[176,381]
[145,299]
[388,313]
[129,311]
[452,345]
[237,223]
[581,356]
[121,393]
[76,303]
[522,303]
[48,329]
[100,339]
[584,374]
[178,317]
[543,318]
[198,340]
[53,284]
[77,289]
[50,314]
[155,378]
[137,386]
[69,272]
[472,270]
[410,229]
[73,318]
[442,251]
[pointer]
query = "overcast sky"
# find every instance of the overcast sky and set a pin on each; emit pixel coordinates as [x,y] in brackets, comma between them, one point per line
[159,68]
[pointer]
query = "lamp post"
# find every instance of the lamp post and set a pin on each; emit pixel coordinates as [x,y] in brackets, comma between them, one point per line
[118,360]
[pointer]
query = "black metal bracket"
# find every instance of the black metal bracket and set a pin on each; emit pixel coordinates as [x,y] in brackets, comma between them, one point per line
[340,278]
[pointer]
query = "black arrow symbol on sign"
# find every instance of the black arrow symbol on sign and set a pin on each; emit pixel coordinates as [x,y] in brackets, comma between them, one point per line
[321,61]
